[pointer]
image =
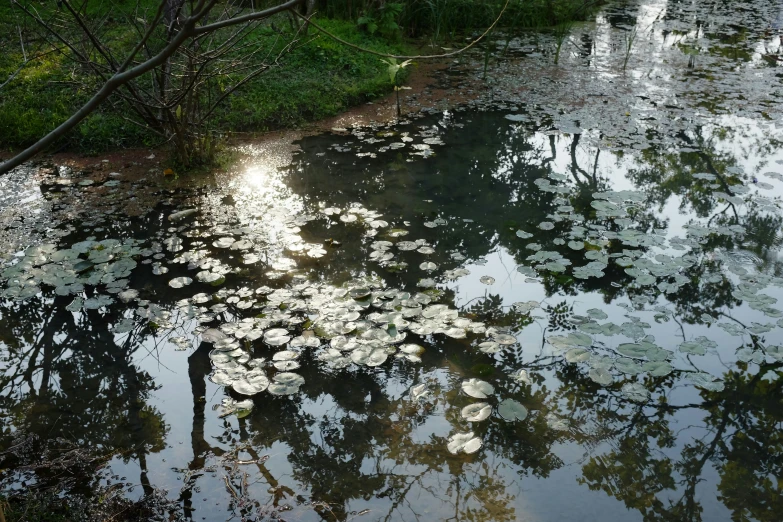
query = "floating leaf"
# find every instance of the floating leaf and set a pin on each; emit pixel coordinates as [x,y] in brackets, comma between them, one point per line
[489,347]
[521,375]
[657,368]
[286,383]
[698,346]
[635,391]
[179,282]
[601,376]
[597,314]
[556,423]
[276,337]
[577,355]
[477,388]
[512,410]
[419,391]
[463,442]
[706,381]
[254,381]
[476,412]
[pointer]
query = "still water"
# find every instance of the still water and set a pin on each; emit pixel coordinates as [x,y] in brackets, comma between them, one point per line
[511,310]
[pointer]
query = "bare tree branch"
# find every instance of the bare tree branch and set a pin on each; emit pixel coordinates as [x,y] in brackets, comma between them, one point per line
[124,74]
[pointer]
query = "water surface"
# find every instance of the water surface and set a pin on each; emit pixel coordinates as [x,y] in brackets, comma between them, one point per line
[539,306]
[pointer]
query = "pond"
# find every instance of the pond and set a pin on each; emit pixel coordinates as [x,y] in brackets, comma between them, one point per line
[557,301]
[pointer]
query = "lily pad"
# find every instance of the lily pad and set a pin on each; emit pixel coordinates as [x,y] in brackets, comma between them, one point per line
[476,412]
[511,410]
[477,388]
[635,391]
[463,442]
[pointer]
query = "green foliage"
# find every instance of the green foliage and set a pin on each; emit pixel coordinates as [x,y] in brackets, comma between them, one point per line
[394,68]
[383,21]
[317,80]
[439,19]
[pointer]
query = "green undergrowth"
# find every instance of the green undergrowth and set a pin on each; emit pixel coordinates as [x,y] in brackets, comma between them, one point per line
[317,80]
[442,20]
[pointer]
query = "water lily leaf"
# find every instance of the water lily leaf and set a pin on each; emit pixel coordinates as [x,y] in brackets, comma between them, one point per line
[521,376]
[698,346]
[419,391]
[489,347]
[369,356]
[511,410]
[476,412]
[633,349]
[463,442]
[635,391]
[628,366]
[504,339]
[254,381]
[657,368]
[286,365]
[335,359]
[601,376]
[286,383]
[179,282]
[412,349]
[577,355]
[706,381]
[128,295]
[776,352]
[223,242]
[276,337]
[556,423]
[477,388]
[597,314]
[456,333]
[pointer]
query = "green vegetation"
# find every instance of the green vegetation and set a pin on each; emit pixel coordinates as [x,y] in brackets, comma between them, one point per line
[318,78]
[442,19]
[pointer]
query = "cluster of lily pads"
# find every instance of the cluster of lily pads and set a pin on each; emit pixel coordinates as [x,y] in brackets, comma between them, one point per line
[650,259]
[75,271]
[509,410]
[364,324]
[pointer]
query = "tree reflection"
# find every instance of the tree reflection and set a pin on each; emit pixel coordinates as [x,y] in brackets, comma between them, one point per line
[356,437]
[68,378]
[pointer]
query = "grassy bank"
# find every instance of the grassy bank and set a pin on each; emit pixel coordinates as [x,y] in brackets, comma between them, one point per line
[317,80]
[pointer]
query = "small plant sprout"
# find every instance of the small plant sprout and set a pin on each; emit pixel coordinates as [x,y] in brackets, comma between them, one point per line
[394,69]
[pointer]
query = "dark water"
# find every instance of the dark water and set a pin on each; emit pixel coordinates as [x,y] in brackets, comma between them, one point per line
[611,289]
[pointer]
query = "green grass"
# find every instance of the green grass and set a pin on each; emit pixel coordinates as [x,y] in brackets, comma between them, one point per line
[317,80]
